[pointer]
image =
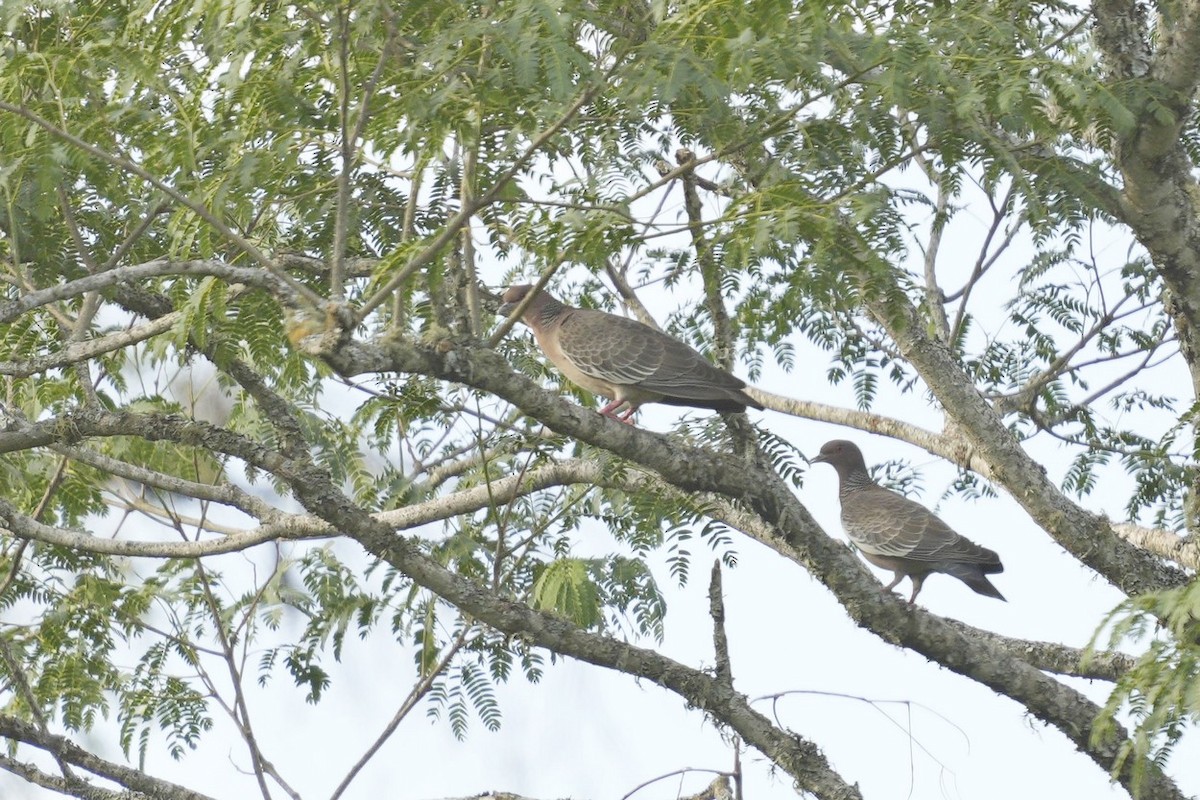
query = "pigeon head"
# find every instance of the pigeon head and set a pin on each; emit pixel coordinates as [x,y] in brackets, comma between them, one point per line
[842,455]
[512,296]
[542,307]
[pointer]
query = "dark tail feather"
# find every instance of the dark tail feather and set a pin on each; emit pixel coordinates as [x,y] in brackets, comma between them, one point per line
[973,576]
[729,400]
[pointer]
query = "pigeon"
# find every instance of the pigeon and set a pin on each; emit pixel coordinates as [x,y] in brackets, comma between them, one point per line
[895,533]
[625,361]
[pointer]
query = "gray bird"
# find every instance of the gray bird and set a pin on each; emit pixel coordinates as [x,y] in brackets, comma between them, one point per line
[624,360]
[895,533]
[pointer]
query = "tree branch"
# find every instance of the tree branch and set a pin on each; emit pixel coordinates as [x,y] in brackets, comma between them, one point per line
[133,779]
[11,310]
[716,610]
[710,273]
[1183,550]
[72,786]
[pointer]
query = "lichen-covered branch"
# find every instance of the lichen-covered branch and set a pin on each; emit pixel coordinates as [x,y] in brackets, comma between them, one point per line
[135,780]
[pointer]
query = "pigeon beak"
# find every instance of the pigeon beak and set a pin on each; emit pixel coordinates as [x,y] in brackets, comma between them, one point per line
[506,309]
[818,459]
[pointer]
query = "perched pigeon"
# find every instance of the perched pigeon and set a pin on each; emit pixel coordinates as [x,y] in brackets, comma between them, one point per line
[624,360]
[895,533]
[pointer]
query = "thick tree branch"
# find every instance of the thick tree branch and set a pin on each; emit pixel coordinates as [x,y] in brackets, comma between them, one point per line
[73,787]
[1177,62]
[1160,194]
[1184,551]
[13,309]
[133,779]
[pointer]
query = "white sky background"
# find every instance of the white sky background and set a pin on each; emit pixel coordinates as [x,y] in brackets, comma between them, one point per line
[588,733]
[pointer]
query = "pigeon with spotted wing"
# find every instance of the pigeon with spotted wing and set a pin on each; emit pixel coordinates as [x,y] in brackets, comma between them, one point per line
[896,533]
[624,360]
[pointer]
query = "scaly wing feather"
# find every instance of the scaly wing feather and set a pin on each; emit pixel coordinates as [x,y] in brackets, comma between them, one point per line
[625,352]
[884,523]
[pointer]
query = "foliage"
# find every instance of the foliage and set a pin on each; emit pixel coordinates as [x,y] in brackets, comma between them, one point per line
[1160,693]
[207,203]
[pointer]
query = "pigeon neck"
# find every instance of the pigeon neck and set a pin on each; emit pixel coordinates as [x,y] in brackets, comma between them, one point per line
[853,480]
[546,310]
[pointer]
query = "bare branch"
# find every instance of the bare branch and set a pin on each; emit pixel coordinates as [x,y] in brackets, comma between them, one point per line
[708,794]
[133,779]
[74,787]
[241,712]
[716,610]
[710,272]
[507,324]
[629,296]
[984,262]
[935,298]
[422,688]
[1183,550]
[948,445]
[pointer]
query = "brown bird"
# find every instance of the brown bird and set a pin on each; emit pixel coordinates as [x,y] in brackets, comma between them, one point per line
[624,360]
[895,533]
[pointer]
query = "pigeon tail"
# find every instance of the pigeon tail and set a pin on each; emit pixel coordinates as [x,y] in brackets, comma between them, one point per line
[974,577]
[729,400]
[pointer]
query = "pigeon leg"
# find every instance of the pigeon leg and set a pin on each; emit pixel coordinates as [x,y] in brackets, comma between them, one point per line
[896,578]
[627,417]
[917,582]
[610,409]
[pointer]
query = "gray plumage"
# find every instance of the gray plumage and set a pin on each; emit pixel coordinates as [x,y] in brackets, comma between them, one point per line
[624,360]
[896,533]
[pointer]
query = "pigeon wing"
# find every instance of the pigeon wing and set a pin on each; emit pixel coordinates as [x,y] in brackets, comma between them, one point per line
[609,348]
[884,523]
[625,352]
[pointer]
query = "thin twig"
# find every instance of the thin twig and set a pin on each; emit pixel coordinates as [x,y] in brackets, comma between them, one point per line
[419,690]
